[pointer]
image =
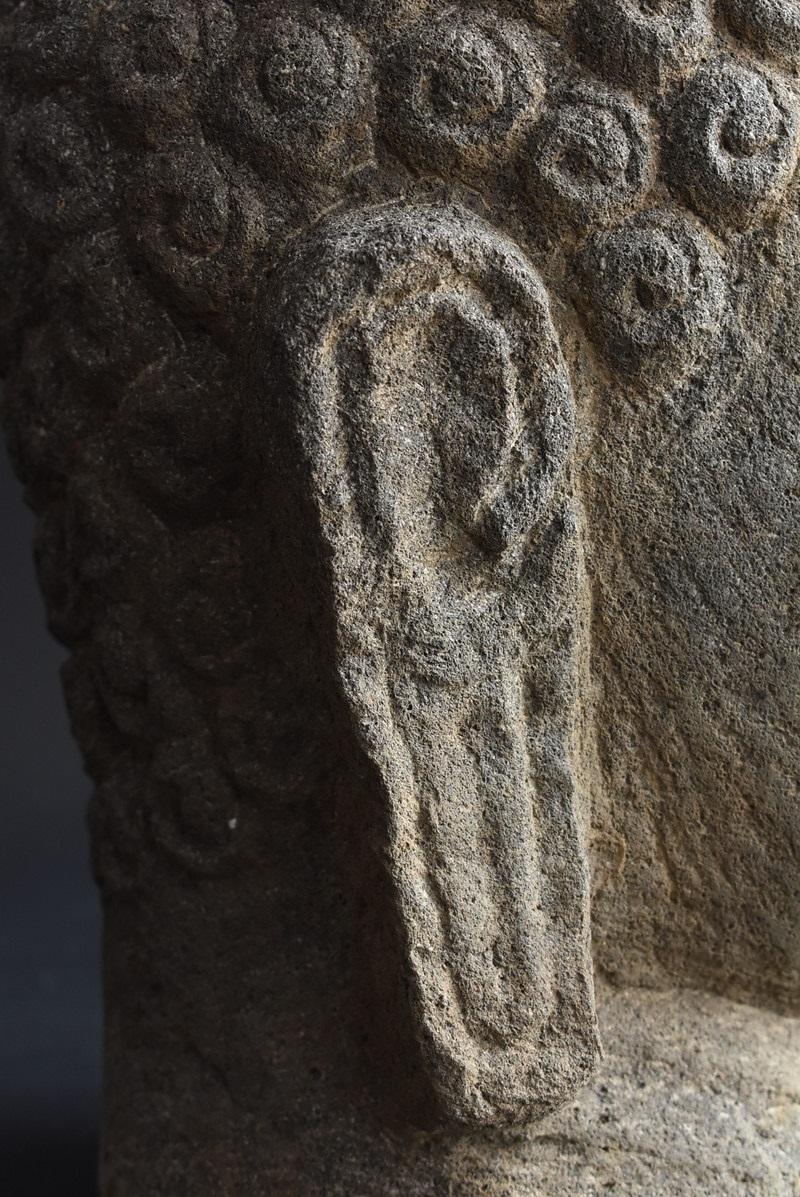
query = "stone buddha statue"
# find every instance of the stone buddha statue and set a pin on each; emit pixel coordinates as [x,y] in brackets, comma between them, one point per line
[408,393]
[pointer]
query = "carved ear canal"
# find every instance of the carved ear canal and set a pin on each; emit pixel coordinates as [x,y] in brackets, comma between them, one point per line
[520,499]
[437,472]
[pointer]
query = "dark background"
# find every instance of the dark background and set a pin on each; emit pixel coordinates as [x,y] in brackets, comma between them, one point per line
[50,1004]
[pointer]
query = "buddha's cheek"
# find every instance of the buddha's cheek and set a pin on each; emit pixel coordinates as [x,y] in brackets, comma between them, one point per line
[692,493]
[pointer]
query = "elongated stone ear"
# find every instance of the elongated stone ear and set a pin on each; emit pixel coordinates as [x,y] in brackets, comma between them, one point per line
[432,408]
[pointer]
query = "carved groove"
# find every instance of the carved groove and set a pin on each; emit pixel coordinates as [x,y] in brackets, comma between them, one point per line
[295,91]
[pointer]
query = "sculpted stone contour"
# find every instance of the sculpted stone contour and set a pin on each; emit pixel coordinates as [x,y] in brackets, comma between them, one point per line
[733,143]
[643,45]
[655,294]
[407,395]
[441,498]
[772,27]
[56,158]
[590,159]
[294,94]
[463,90]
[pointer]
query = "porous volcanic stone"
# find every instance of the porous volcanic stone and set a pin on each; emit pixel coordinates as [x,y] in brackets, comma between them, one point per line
[409,394]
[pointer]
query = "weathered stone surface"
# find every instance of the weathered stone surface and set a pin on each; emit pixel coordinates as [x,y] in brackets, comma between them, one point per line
[435,416]
[653,292]
[408,396]
[460,93]
[590,160]
[733,143]
[772,27]
[644,46]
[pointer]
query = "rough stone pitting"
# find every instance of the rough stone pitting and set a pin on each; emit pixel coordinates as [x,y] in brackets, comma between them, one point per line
[654,293]
[154,60]
[107,325]
[461,91]
[116,837]
[202,227]
[41,437]
[407,396]
[590,160]
[58,167]
[295,92]
[771,27]
[54,39]
[442,503]
[193,811]
[733,143]
[180,432]
[643,45]
[550,14]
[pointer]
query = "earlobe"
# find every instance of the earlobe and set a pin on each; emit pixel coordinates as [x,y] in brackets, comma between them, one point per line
[460,405]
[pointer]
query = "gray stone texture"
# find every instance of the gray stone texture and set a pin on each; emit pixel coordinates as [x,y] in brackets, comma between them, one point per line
[409,395]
